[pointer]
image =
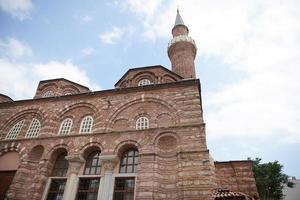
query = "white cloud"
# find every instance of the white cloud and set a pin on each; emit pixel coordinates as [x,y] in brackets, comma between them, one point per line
[19,78]
[14,48]
[112,36]
[17,8]
[259,39]
[88,51]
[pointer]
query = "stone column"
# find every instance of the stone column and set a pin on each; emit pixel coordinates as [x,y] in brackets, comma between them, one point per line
[75,162]
[107,182]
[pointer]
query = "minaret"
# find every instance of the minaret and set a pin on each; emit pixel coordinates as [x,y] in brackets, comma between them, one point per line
[182,50]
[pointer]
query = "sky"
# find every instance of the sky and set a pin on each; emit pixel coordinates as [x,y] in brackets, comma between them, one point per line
[248,60]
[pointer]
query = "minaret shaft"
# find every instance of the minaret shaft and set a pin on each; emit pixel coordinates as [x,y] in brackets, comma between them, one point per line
[182,50]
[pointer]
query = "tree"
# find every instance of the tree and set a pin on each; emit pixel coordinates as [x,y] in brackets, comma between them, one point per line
[270,179]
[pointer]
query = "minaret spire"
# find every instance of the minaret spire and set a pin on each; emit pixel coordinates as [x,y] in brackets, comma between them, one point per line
[179,22]
[182,49]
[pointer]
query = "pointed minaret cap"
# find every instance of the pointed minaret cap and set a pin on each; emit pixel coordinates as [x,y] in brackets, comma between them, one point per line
[179,22]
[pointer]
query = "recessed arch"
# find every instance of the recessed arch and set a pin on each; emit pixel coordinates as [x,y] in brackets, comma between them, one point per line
[36,153]
[63,111]
[51,153]
[116,111]
[32,112]
[10,161]
[125,145]
[90,147]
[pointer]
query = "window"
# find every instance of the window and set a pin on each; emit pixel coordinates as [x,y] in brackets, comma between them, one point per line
[144,82]
[124,188]
[15,130]
[129,161]
[61,166]
[65,127]
[58,179]
[68,93]
[86,125]
[49,93]
[88,186]
[142,123]
[93,165]
[34,128]
[124,185]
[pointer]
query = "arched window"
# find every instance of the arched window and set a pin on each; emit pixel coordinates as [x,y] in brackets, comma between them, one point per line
[124,185]
[93,164]
[88,185]
[49,93]
[61,165]
[68,93]
[15,130]
[142,123]
[34,128]
[129,161]
[144,82]
[58,179]
[65,127]
[86,125]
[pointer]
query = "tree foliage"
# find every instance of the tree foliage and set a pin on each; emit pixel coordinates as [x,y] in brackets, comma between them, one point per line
[270,179]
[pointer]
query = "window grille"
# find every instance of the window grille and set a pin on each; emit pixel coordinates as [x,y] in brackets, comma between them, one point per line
[34,128]
[144,82]
[88,186]
[129,161]
[142,123]
[15,130]
[124,188]
[86,125]
[58,179]
[124,184]
[49,93]
[65,127]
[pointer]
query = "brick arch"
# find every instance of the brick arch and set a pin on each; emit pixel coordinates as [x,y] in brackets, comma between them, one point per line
[116,111]
[125,145]
[162,134]
[36,152]
[70,88]
[70,111]
[48,155]
[89,147]
[66,109]
[17,147]
[48,85]
[167,144]
[22,114]
[167,77]
[35,112]
[144,74]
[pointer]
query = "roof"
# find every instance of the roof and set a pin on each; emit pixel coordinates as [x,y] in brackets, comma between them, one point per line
[222,194]
[115,90]
[5,96]
[63,79]
[147,67]
[234,161]
[179,21]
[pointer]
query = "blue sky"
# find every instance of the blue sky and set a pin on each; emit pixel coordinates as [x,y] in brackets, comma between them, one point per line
[248,60]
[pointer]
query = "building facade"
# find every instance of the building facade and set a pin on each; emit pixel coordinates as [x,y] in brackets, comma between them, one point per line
[145,139]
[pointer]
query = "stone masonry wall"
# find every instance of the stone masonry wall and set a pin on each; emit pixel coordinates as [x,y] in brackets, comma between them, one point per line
[236,176]
[174,160]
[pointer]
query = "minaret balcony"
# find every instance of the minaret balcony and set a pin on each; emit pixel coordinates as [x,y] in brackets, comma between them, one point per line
[182,38]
